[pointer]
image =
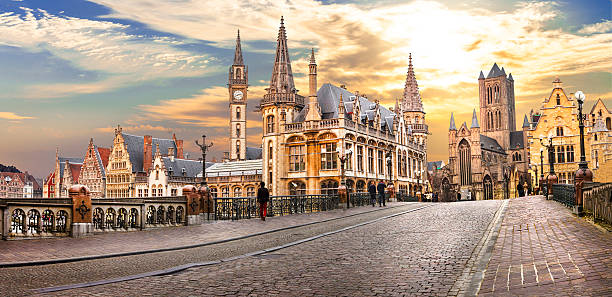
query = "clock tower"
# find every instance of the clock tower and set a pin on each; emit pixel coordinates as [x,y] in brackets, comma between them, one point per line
[237,86]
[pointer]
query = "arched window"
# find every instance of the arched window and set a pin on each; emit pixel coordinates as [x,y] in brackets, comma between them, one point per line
[251,192]
[237,130]
[151,215]
[609,123]
[133,218]
[297,188]
[110,218]
[270,124]
[329,187]
[170,215]
[225,192]
[558,99]
[61,221]
[18,221]
[237,192]
[161,215]
[122,218]
[361,186]
[98,218]
[33,221]
[465,163]
[488,188]
[238,147]
[238,73]
[47,221]
[179,214]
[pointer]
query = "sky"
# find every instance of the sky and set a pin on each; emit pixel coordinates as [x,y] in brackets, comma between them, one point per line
[72,70]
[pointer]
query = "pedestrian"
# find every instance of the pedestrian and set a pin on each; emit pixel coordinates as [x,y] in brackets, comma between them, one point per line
[372,191]
[381,194]
[263,195]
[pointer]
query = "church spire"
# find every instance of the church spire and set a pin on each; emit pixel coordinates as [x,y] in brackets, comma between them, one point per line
[282,76]
[474,120]
[411,100]
[452,123]
[238,53]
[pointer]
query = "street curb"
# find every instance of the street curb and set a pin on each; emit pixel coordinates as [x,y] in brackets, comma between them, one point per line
[105,256]
[193,265]
[471,279]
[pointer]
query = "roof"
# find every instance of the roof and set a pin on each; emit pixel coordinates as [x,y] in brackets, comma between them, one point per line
[495,72]
[481,76]
[193,168]
[75,170]
[253,153]
[328,97]
[135,147]
[525,122]
[235,168]
[12,176]
[595,105]
[474,121]
[516,140]
[434,165]
[102,155]
[62,162]
[490,144]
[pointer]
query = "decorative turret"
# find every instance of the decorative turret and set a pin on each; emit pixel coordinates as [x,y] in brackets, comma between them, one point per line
[313,114]
[452,123]
[474,121]
[411,100]
[525,122]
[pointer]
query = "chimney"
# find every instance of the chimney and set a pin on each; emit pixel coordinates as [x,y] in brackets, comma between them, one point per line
[147,158]
[179,148]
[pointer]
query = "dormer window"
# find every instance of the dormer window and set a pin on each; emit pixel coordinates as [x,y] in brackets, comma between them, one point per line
[183,171]
[558,99]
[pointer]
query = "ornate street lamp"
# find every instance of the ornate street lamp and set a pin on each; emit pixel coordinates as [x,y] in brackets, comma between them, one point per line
[342,190]
[542,170]
[583,173]
[204,190]
[552,178]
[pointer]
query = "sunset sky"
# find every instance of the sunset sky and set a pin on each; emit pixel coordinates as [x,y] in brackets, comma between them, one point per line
[71,70]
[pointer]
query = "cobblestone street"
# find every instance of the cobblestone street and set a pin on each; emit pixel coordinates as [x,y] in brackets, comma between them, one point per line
[518,247]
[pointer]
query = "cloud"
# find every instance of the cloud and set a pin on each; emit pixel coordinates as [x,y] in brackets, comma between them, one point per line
[128,129]
[101,46]
[12,116]
[602,27]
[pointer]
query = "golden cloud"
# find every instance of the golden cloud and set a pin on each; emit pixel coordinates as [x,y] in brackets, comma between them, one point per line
[12,116]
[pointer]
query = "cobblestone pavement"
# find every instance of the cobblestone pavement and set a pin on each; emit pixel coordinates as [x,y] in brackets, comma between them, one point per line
[17,281]
[543,250]
[418,253]
[153,239]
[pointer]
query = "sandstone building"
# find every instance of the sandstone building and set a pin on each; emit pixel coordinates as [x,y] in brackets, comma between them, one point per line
[486,162]
[93,171]
[55,183]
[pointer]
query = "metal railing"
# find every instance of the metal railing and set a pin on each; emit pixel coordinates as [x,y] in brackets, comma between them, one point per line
[565,194]
[247,207]
[405,197]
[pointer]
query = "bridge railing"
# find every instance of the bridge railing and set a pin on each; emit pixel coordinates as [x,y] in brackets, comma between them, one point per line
[597,201]
[565,194]
[236,208]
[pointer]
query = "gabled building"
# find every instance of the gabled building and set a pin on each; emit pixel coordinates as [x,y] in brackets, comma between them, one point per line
[131,159]
[19,185]
[93,171]
[54,186]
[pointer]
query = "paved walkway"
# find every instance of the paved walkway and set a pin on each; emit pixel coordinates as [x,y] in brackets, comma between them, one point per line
[19,251]
[543,250]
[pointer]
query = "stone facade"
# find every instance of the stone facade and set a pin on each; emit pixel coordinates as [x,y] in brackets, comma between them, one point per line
[131,159]
[488,162]
[238,82]
[93,171]
[54,185]
[302,142]
[19,185]
[557,119]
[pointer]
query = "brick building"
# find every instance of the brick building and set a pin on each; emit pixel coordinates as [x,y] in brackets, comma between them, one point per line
[93,171]
[54,185]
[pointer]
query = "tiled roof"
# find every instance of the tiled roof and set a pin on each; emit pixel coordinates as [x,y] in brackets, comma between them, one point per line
[135,148]
[102,155]
[495,72]
[235,168]
[253,153]
[193,168]
[490,144]
[75,170]
[516,140]
[62,162]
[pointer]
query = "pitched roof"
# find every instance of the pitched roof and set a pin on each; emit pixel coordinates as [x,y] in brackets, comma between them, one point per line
[253,153]
[193,168]
[328,97]
[525,122]
[481,76]
[135,147]
[490,144]
[102,155]
[516,140]
[75,170]
[595,105]
[495,72]
[62,162]
[235,168]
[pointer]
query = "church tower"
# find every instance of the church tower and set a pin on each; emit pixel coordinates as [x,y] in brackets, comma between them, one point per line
[497,111]
[279,106]
[412,106]
[237,86]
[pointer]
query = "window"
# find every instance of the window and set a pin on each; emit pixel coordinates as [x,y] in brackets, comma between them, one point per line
[596,159]
[360,158]
[570,153]
[558,99]
[559,131]
[329,187]
[270,151]
[238,147]
[251,192]
[139,192]
[296,158]
[270,124]
[370,160]
[380,163]
[297,188]
[156,174]
[560,154]
[329,156]
[237,192]
[349,160]
[213,192]
[173,192]
[225,192]
[146,193]
[237,130]
[238,112]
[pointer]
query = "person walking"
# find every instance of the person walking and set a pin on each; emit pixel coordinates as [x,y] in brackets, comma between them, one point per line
[372,191]
[381,194]
[263,196]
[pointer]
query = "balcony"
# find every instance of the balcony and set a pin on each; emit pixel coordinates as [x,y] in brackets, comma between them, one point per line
[282,98]
[419,128]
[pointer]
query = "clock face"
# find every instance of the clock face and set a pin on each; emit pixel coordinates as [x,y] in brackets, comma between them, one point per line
[238,95]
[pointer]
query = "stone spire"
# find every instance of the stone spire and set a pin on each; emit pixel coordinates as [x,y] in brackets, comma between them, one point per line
[238,53]
[474,121]
[313,113]
[282,76]
[411,100]
[452,123]
[525,122]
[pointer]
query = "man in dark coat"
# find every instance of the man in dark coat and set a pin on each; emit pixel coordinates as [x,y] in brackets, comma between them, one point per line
[263,196]
[381,194]
[372,191]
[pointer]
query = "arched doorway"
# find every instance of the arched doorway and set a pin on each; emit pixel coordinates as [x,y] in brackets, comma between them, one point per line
[488,187]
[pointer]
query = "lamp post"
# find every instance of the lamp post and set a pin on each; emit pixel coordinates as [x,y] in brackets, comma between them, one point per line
[390,186]
[342,190]
[542,170]
[204,190]
[506,170]
[535,169]
[583,173]
[552,178]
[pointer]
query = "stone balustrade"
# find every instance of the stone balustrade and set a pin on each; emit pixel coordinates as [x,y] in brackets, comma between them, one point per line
[597,201]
